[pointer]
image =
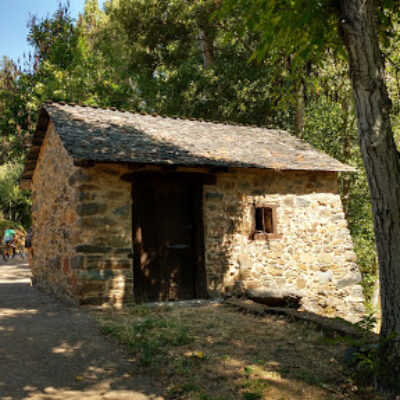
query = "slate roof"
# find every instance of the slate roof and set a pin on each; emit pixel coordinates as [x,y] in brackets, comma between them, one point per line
[108,135]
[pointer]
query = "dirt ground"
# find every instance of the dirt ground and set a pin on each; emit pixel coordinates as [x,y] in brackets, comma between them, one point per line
[49,350]
[213,352]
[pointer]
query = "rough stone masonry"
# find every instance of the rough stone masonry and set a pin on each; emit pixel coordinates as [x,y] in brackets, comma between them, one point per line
[82,212]
[83,241]
[314,254]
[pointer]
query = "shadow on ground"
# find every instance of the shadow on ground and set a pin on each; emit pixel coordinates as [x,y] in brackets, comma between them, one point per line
[49,350]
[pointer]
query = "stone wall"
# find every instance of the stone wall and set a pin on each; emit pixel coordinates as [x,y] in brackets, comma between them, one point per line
[82,229]
[83,234]
[314,255]
[55,224]
[105,244]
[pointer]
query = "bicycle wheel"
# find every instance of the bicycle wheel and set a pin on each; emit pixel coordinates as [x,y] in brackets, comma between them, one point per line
[12,252]
[6,255]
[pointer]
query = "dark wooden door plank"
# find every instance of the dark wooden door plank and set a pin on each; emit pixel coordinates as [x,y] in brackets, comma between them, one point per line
[168,240]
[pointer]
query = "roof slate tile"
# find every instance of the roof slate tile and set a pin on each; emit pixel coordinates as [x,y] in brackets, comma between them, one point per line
[105,135]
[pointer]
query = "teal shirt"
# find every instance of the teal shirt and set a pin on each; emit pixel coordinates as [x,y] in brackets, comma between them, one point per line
[9,233]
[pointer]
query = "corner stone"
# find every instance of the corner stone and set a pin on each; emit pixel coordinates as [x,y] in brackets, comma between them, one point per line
[353,278]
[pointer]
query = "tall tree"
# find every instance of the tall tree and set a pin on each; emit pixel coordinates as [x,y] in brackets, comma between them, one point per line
[381,159]
[302,28]
[16,116]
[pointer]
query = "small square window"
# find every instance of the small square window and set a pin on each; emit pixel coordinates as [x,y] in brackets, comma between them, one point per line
[265,223]
[264,220]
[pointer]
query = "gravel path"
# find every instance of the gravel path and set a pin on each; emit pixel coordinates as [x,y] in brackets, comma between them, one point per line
[49,350]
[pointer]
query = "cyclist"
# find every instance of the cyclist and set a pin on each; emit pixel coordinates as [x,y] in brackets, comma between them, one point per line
[8,239]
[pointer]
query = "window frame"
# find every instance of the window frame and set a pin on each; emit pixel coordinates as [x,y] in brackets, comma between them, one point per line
[259,235]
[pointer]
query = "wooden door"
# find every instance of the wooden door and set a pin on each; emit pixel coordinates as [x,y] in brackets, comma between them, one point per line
[166,253]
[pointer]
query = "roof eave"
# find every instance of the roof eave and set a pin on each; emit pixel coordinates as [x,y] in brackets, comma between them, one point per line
[37,141]
[89,162]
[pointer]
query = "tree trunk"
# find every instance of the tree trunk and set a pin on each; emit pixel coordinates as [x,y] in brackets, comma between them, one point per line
[207,47]
[299,112]
[346,179]
[381,160]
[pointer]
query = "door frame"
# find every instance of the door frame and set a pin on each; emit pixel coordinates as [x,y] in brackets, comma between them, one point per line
[195,181]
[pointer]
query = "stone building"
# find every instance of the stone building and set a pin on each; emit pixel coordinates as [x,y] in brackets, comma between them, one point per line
[133,207]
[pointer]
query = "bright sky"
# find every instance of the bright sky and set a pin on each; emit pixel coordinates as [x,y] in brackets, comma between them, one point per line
[14,15]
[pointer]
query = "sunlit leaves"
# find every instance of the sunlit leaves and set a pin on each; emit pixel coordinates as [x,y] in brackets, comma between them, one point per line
[301,29]
[14,203]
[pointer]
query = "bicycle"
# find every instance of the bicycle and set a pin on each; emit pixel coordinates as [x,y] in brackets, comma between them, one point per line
[8,251]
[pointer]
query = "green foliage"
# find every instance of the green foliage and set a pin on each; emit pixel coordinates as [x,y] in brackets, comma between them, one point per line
[14,202]
[303,30]
[16,122]
[367,322]
[17,109]
[361,356]
[160,50]
[253,387]
[54,39]
[189,387]
[251,396]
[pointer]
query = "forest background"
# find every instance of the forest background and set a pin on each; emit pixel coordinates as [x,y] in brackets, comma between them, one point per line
[184,58]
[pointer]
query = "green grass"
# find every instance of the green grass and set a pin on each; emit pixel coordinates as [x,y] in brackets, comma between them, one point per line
[254,388]
[213,353]
[205,396]
[150,335]
[303,375]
